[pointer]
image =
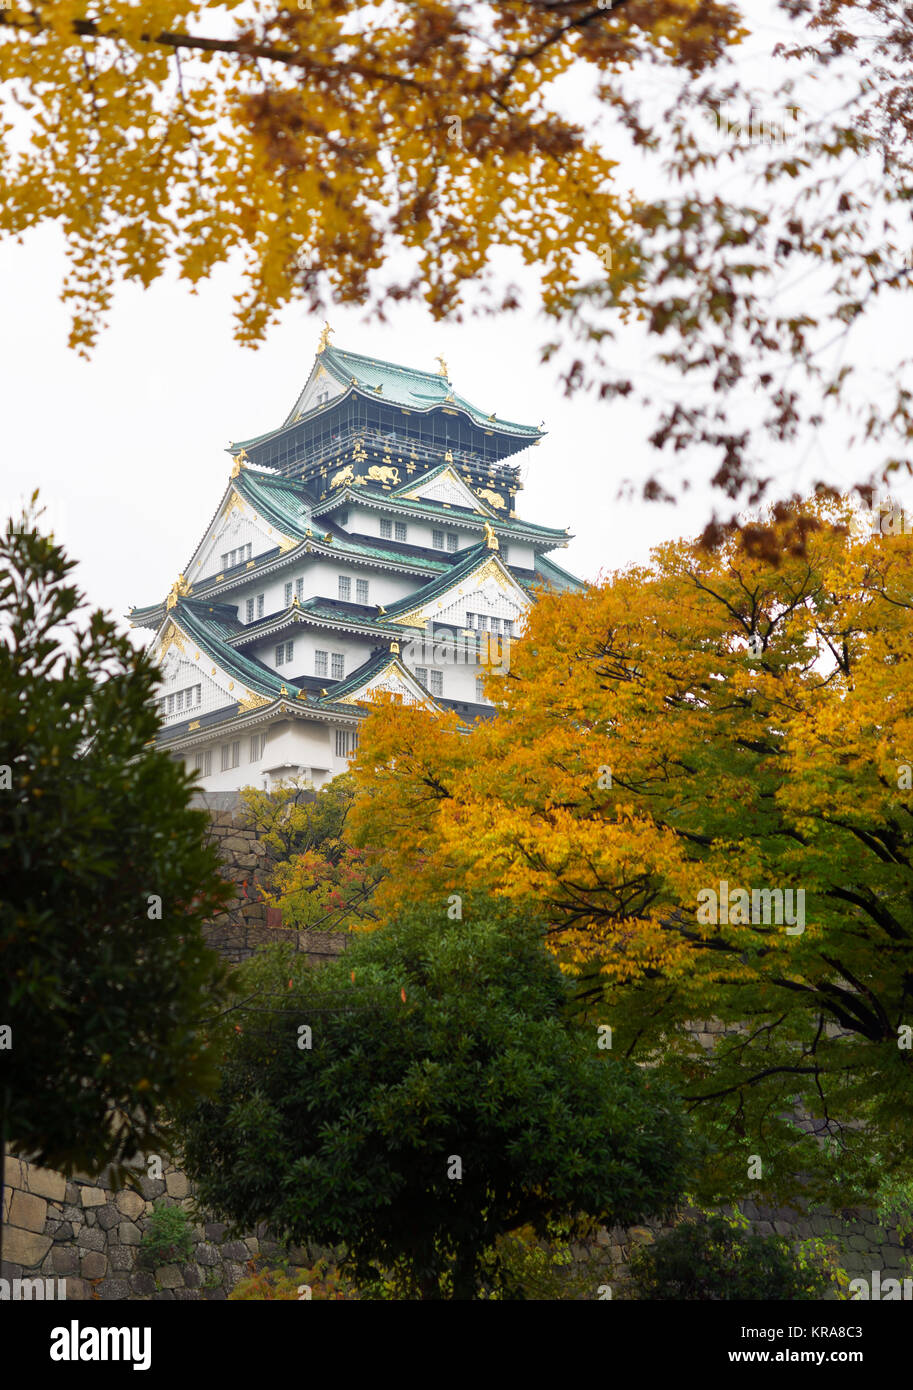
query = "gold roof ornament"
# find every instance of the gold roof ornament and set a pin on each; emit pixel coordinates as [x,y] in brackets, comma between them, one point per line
[239,463]
[295,603]
[491,539]
[443,368]
[381,608]
[448,457]
[283,690]
[302,695]
[179,588]
[492,415]
[324,337]
[328,538]
[394,648]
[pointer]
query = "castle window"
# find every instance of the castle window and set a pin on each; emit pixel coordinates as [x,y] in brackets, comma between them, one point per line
[289,652]
[505,553]
[288,594]
[452,542]
[202,763]
[346,742]
[338,666]
[437,540]
[345,587]
[257,745]
[480,691]
[386,530]
[361,590]
[299,589]
[260,600]
[437,682]
[280,654]
[399,530]
[421,674]
[320,663]
[250,610]
[231,755]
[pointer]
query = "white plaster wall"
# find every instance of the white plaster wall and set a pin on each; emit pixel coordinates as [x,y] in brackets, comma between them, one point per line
[307,642]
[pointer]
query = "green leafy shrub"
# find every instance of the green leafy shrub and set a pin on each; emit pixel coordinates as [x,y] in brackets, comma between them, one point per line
[895,1206]
[520,1266]
[718,1258]
[168,1239]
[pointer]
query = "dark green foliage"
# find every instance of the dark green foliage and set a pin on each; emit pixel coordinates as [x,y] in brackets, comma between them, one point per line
[105,1002]
[349,1142]
[168,1238]
[718,1258]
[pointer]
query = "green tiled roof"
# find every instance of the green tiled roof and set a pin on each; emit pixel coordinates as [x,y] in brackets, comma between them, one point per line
[437,511]
[410,387]
[473,558]
[198,619]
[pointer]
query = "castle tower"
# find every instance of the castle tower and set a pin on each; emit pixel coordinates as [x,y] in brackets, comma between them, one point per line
[369,543]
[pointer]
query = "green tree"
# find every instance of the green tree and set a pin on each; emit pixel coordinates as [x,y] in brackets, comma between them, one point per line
[106,880]
[445,1099]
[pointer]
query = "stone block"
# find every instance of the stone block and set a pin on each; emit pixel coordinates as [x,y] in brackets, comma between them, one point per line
[72,1195]
[130,1204]
[128,1234]
[74,1213]
[93,1197]
[192,1276]
[26,1248]
[122,1257]
[234,1272]
[215,1231]
[177,1184]
[44,1182]
[783,1228]
[78,1291]
[12,1171]
[108,1217]
[163,1296]
[206,1255]
[64,1233]
[93,1265]
[235,1250]
[26,1211]
[90,1217]
[169,1277]
[64,1260]
[215,1295]
[640,1235]
[10,1271]
[112,1290]
[91,1238]
[142,1282]
[152,1188]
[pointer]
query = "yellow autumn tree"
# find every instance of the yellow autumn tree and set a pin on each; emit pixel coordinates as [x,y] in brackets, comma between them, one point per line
[700,772]
[320,139]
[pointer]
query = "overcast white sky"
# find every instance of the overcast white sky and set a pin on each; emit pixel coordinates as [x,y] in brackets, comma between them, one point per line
[128,448]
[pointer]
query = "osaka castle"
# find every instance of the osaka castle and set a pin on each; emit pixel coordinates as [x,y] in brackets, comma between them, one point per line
[369,543]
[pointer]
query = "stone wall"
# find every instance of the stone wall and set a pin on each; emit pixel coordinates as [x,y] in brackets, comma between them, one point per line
[861,1242]
[85,1232]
